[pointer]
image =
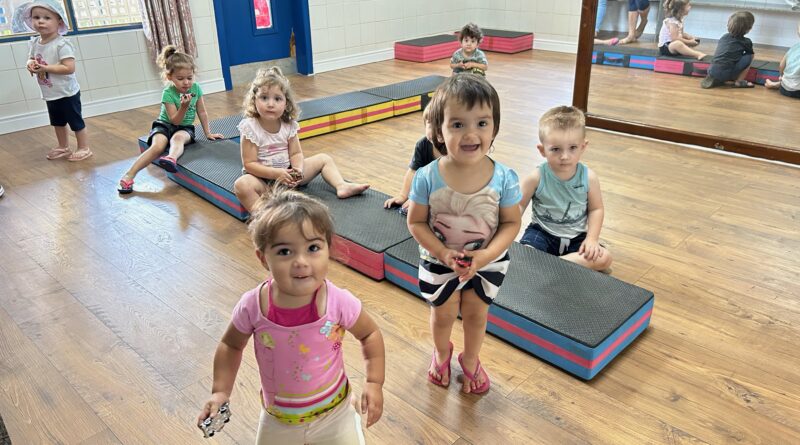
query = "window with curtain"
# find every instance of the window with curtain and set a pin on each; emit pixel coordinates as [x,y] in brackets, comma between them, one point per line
[82,15]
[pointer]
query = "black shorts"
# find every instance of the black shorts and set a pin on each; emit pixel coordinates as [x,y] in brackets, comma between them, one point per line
[664,50]
[168,130]
[790,93]
[66,110]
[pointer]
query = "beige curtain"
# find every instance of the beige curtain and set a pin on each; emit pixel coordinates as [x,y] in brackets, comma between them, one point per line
[168,22]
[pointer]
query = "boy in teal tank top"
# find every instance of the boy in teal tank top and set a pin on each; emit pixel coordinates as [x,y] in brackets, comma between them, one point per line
[567,210]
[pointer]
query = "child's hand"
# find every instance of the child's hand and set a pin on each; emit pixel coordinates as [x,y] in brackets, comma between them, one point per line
[372,402]
[211,407]
[476,260]
[32,66]
[38,69]
[591,250]
[396,201]
[285,177]
[186,99]
[214,136]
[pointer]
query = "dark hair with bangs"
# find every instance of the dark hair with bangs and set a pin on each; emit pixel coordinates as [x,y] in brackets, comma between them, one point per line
[740,23]
[469,90]
[280,206]
[471,30]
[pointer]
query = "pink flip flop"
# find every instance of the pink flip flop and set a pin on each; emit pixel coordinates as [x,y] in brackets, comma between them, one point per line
[472,376]
[614,41]
[58,152]
[440,368]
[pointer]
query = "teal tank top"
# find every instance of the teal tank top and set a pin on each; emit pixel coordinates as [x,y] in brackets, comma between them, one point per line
[560,207]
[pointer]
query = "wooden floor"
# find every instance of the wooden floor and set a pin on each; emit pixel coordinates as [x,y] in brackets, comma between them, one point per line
[667,100]
[111,307]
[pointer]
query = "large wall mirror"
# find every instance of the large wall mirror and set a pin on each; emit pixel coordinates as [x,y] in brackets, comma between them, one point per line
[626,83]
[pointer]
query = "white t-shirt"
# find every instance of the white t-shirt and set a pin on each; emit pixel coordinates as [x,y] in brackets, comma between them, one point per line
[273,148]
[54,86]
[664,36]
[791,73]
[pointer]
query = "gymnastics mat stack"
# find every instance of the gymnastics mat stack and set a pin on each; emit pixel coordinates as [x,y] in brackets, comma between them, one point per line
[328,114]
[575,318]
[364,229]
[650,59]
[426,49]
[411,95]
[508,42]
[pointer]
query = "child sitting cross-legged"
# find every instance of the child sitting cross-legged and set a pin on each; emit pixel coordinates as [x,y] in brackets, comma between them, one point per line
[567,203]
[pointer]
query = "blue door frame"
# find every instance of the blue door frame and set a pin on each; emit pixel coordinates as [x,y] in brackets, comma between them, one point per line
[241,42]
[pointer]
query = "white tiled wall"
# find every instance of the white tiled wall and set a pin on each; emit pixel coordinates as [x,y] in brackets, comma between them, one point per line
[108,65]
[350,27]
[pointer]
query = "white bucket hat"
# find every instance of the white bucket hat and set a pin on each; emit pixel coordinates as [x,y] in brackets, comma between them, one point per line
[52,6]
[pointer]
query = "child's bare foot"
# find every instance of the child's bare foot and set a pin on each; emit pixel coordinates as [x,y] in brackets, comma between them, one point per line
[627,40]
[701,56]
[771,84]
[348,189]
[475,381]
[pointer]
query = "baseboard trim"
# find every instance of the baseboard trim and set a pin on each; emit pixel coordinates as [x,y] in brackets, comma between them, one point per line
[35,119]
[338,63]
[555,45]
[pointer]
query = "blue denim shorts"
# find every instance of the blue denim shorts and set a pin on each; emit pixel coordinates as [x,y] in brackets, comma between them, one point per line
[540,239]
[638,5]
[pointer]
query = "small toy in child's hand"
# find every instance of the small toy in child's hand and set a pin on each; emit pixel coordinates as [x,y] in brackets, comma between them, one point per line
[295,174]
[403,210]
[464,261]
[215,424]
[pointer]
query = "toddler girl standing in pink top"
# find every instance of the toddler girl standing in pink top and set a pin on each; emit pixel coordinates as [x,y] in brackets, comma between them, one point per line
[298,320]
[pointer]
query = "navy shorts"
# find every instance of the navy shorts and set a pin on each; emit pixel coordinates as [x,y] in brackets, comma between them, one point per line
[66,110]
[733,72]
[168,129]
[664,50]
[638,5]
[540,239]
[789,93]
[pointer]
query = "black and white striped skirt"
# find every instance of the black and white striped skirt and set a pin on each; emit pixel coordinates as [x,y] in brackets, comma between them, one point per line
[437,282]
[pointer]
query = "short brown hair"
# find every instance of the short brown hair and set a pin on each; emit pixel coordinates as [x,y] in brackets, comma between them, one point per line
[280,206]
[561,118]
[469,90]
[740,23]
[471,30]
[269,77]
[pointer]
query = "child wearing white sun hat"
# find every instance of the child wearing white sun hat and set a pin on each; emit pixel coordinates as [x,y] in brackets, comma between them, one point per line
[52,61]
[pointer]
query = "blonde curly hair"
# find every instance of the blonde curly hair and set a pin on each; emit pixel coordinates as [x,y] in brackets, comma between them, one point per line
[267,78]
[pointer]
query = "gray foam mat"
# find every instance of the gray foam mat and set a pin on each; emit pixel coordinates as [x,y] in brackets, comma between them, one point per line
[623,49]
[408,88]
[430,41]
[573,301]
[564,297]
[226,126]
[503,33]
[218,162]
[325,106]
[362,218]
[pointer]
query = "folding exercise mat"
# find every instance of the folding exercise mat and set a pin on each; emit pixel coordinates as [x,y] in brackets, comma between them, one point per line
[410,95]
[570,316]
[364,229]
[509,42]
[327,114]
[426,49]
[210,169]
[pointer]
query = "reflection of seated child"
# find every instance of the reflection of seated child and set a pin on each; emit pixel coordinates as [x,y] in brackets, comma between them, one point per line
[789,83]
[567,203]
[734,54]
[424,154]
[672,40]
[469,59]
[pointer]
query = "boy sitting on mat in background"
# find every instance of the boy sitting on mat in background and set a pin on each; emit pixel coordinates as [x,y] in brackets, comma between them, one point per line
[424,154]
[567,211]
[468,58]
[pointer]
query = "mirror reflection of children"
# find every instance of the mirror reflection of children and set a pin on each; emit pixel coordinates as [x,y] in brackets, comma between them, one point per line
[297,320]
[464,214]
[469,58]
[181,101]
[567,212]
[424,154]
[51,60]
[789,82]
[672,40]
[271,148]
[734,54]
